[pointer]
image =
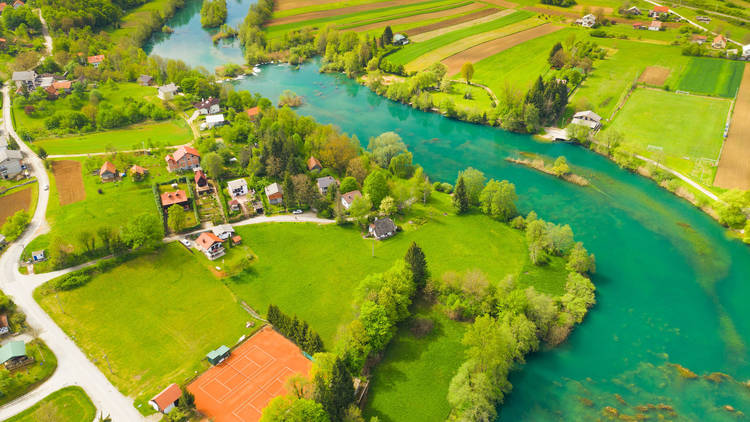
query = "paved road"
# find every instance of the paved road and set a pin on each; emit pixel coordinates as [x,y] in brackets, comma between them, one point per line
[308,217]
[74,367]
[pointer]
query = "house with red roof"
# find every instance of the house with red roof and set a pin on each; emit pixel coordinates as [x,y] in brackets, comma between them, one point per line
[165,401]
[177,197]
[348,198]
[201,182]
[108,172]
[2,6]
[656,26]
[210,245]
[719,42]
[253,113]
[17,4]
[62,86]
[184,158]
[95,60]
[314,164]
[658,11]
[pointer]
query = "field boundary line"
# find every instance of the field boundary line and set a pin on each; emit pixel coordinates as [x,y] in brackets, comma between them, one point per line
[28,182]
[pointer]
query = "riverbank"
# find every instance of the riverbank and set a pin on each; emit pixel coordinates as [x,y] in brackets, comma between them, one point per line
[539,164]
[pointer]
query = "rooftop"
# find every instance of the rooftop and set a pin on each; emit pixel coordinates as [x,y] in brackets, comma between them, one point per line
[167,396]
[171,198]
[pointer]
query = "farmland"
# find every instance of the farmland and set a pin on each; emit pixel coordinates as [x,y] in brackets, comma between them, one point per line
[689,126]
[69,404]
[165,343]
[712,77]
[734,168]
[16,200]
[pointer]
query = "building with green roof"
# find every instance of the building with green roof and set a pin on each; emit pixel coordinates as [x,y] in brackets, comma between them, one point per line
[218,355]
[12,351]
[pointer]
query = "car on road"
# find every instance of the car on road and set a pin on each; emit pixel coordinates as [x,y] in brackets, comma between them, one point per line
[185,242]
[46,187]
[297,212]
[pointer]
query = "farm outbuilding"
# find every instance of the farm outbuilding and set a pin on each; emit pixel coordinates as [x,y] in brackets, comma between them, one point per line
[165,401]
[12,352]
[217,356]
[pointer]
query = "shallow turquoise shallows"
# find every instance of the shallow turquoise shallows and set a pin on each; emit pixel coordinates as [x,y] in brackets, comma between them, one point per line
[672,288]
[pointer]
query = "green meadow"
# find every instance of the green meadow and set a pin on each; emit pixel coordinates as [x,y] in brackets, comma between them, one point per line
[712,77]
[69,404]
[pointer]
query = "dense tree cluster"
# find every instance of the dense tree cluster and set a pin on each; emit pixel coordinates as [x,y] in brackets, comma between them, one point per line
[295,329]
[64,15]
[13,18]
[213,13]
[14,226]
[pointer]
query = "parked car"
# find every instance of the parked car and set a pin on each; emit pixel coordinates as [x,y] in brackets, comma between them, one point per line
[185,242]
[297,212]
[46,187]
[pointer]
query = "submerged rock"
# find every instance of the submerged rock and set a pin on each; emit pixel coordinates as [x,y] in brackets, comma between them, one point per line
[684,372]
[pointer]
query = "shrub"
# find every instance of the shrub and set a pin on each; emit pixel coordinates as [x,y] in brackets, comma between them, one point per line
[420,327]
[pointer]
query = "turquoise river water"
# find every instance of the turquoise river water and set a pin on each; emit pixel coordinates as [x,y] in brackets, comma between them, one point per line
[672,288]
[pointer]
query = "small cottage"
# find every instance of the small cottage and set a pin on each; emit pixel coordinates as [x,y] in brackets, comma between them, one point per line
[719,42]
[209,105]
[167,400]
[587,118]
[145,80]
[382,228]
[324,183]
[210,245]
[314,164]
[253,112]
[274,194]
[167,92]
[184,158]
[13,353]
[223,231]
[214,120]
[108,172]
[95,60]
[348,198]
[177,197]
[38,256]
[237,187]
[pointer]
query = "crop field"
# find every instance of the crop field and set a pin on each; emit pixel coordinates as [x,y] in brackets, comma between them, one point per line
[414,32]
[171,132]
[734,167]
[69,404]
[417,18]
[283,8]
[688,125]
[413,51]
[174,329]
[490,48]
[655,75]
[69,178]
[432,34]
[351,11]
[18,199]
[606,86]
[712,76]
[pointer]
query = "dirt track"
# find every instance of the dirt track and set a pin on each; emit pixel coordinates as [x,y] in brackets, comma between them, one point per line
[490,48]
[655,75]
[14,202]
[449,22]
[418,18]
[734,164]
[337,12]
[69,181]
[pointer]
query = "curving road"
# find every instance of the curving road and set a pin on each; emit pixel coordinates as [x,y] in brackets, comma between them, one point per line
[73,366]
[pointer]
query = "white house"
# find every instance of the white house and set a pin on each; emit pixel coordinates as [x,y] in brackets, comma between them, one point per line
[587,21]
[274,194]
[237,187]
[211,245]
[223,231]
[209,105]
[165,401]
[587,118]
[214,120]
[166,92]
[10,163]
[400,39]
[746,51]
[348,198]
[37,256]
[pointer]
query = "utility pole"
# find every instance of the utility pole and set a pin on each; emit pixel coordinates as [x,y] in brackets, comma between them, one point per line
[108,364]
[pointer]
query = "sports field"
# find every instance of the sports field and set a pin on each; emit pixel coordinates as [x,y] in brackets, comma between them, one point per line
[712,76]
[237,389]
[170,132]
[69,404]
[154,317]
[687,127]
[734,166]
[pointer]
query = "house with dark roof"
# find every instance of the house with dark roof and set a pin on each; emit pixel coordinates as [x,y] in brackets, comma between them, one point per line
[10,163]
[26,79]
[217,356]
[223,231]
[4,326]
[167,400]
[201,182]
[145,80]
[184,158]
[177,197]
[587,118]
[382,228]
[210,245]
[348,198]
[324,183]
[209,105]
[108,172]
[314,164]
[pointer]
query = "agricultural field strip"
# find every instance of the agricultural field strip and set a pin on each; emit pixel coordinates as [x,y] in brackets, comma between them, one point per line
[734,167]
[415,15]
[371,16]
[417,18]
[490,48]
[712,76]
[439,54]
[438,32]
[346,11]
[413,51]
[282,8]
[421,29]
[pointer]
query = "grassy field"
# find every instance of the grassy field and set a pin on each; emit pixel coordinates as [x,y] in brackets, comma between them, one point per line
[480,99]
[69,404]
[417,368]
[712,77]
[154,318]
[611,78]
[519,66]
[131,18]
[26,379]
[172,132]
[115,206]
[688,126]
[414,50]
[286,11]
[328,262]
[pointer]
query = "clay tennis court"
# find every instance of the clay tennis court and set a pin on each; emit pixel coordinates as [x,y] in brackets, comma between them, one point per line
[69,181]
[655,75]
[418,18]
[238,389]
[14,202]
[337,12]
[734,164]
[490,48]
[449,22]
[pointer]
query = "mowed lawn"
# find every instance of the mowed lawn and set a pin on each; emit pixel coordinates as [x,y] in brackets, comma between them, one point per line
[411,382]
[171,132]
[69,404]
[684,125]
[312,270]
[712,76]
[611,77]
[154,318]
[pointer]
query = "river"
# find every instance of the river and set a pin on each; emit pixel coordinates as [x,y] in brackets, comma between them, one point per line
[671,286]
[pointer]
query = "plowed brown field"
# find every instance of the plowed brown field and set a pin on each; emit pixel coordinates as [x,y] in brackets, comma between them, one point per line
[14,202]
[655,75]
[69,181]
[734,164]
[449,22]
